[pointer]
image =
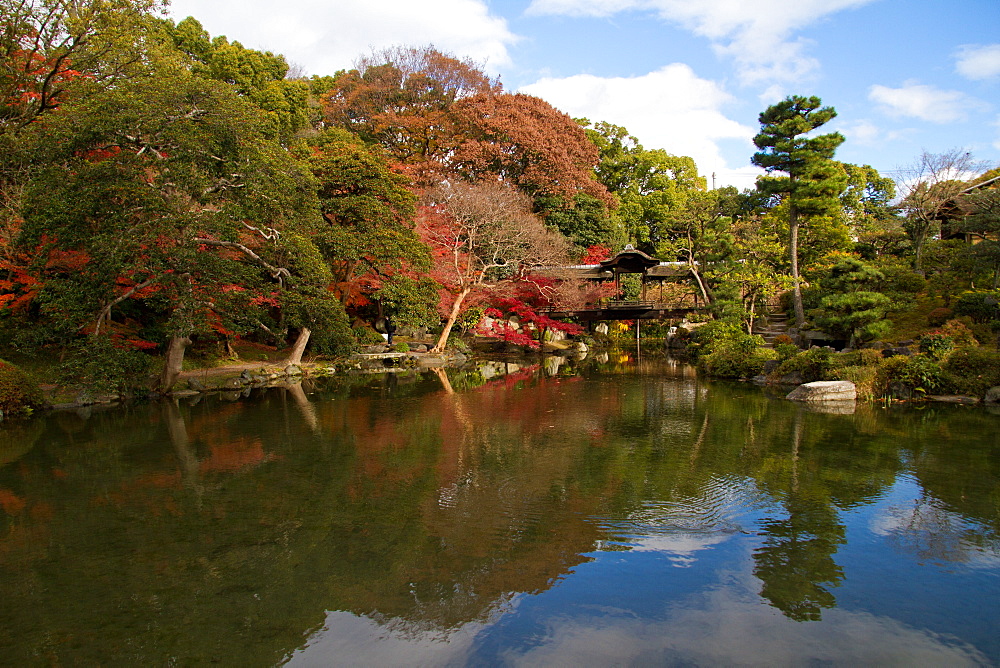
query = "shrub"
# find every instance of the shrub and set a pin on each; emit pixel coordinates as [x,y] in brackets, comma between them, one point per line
[870,357]
[99,365]
[936,344]
[960,334]
[784,339]
[725,350]
[813,364]
[939,316]
[717,333]
[732,362]
[786,350]
[919,373]
[973,370]
[863,377]
[19,394]
[365,335]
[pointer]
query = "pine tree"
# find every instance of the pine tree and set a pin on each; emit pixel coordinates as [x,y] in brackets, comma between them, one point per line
[813,181]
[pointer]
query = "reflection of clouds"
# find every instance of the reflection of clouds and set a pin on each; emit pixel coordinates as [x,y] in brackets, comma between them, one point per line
[678,548]
[349,640]
[721,627]
[688,525]
[726,629]
[927,528]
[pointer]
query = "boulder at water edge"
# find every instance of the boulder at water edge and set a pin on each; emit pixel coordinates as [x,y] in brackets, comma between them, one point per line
[825,390]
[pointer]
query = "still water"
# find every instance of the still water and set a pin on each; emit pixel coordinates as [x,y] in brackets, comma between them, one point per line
[595,514]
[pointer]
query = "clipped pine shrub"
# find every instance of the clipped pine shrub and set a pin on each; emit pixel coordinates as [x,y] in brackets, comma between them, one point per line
[19,394]
[982,306]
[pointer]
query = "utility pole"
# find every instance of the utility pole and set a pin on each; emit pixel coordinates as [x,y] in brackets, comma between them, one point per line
[713,180]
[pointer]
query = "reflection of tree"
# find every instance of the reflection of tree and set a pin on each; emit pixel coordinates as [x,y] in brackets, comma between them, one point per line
[796,564]
[930,531]
[419,508]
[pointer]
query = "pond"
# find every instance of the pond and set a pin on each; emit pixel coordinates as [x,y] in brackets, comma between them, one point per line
[597,513]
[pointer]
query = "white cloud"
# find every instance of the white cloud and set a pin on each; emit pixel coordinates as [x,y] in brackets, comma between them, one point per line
[757,35]
[327,36]
[721,628]
[924,102]
[978,62]
[866,133]
[670,108]
[863,132]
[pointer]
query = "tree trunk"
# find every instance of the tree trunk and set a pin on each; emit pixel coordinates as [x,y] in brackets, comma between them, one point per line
[793,251]
[456,308]
[708,296]
[299,347]
[172,363]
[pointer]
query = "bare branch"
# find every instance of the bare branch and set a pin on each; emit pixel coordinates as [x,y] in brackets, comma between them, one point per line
[277,273]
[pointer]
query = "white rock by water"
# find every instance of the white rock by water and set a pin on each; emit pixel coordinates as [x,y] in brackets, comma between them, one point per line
[825,390]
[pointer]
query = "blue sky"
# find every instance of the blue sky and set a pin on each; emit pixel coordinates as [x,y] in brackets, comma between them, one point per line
[687,76]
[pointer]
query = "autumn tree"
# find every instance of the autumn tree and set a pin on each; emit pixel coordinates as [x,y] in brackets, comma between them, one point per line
[48,47]
[480,236]
[807,176]
[526,142]
[401,98]
[51,52]
[168,198]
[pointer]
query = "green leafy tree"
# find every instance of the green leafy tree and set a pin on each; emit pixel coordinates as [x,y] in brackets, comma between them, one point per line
[259,76]
[807,176]
[163,195]
[869,211]
[651,188]
[369,211]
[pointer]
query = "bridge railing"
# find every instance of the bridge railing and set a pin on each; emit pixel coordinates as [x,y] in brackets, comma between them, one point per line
[626,305]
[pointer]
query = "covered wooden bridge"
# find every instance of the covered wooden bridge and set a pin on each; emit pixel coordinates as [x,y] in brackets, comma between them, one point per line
[652,303]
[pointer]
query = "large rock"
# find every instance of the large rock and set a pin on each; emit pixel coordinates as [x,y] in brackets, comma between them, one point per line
[825,390]
[992,395]
[952,399]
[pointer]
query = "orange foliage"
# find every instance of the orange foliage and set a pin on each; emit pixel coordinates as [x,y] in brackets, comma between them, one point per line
[235,455]
[526,141]
[11,503]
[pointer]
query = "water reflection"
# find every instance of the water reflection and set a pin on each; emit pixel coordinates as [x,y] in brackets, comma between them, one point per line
[592,512]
